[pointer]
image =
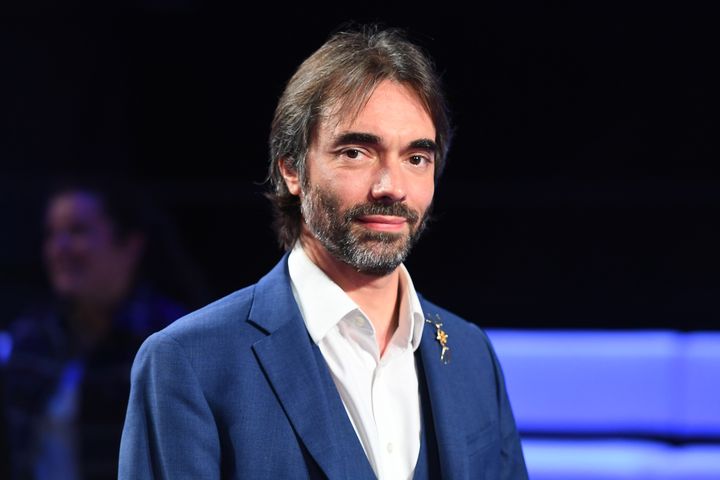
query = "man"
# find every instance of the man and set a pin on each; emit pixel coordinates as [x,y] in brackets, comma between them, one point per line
[332,366]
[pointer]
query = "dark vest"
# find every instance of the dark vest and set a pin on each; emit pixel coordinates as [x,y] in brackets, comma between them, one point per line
[428,464]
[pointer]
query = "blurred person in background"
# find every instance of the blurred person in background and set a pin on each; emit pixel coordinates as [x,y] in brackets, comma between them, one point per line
[68,372]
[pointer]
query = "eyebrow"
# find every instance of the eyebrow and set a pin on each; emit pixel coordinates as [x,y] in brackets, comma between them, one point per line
[424,144]
[356,137]
[363,138]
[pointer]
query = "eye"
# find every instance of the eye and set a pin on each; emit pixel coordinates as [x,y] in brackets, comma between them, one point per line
[352,153]
[419,160]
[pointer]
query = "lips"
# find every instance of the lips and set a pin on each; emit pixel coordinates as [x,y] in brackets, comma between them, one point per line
[385,223]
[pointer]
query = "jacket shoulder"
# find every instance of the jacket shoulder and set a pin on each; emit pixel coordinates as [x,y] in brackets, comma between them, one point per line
[211,328]
[221,312]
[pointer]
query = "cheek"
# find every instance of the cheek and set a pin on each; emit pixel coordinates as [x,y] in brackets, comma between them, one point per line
[422,193]
[99,253]
[347,189]
[64,251]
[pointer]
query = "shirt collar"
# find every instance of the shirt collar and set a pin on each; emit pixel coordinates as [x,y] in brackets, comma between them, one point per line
[323,303]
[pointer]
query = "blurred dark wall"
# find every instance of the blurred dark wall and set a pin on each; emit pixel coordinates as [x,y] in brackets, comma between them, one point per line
[581,190]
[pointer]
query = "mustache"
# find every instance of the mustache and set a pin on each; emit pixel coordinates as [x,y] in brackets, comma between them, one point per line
[393,209]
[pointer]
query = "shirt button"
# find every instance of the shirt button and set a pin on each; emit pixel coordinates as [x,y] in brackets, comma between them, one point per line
[390,447]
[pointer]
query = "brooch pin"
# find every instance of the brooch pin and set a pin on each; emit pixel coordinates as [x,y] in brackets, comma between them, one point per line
[442,338]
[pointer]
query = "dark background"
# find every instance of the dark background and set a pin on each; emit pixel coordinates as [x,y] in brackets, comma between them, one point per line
[581,190]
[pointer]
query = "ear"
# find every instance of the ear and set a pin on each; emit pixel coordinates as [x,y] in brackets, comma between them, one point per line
[290,175]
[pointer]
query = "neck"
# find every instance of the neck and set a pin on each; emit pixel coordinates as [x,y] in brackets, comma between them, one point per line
[377,296]
[90,324]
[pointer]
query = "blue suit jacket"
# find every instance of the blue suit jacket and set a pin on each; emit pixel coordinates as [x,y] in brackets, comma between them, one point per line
[238,390]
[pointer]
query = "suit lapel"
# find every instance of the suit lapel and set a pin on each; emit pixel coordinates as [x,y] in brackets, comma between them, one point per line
[296,370]
[443,381]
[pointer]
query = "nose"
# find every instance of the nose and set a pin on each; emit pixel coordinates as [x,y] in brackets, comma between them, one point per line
[389,186]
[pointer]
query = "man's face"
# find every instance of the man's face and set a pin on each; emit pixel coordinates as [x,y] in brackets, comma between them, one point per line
[370,181]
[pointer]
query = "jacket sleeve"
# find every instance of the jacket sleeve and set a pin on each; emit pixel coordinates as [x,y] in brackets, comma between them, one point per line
[512,465]
[169,431]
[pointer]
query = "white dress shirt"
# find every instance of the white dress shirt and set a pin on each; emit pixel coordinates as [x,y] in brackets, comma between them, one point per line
[380,393]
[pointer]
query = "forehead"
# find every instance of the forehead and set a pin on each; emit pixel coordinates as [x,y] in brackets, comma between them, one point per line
[74,205]
[391,108]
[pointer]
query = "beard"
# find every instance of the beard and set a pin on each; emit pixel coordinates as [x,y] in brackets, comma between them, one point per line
[369,252]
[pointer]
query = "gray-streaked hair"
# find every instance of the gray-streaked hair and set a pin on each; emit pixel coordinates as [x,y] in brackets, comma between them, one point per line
[335,81]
